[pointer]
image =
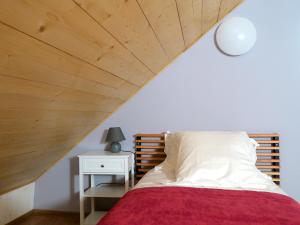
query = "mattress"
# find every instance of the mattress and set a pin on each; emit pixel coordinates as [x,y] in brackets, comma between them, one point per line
[159,177]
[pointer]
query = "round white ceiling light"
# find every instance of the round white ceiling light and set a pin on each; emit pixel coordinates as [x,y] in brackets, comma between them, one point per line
[236,36]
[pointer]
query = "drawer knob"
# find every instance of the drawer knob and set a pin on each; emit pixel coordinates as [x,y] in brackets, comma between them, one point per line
[102,165]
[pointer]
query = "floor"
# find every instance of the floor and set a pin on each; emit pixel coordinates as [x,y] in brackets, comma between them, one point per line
[48,219]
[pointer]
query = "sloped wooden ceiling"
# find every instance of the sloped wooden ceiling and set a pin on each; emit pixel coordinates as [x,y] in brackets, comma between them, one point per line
[66,65]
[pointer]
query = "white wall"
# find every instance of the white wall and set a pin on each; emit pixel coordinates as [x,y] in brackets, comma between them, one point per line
[206,90]
[16,203]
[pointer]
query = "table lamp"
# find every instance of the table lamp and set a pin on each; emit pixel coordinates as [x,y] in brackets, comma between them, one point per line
[114,136]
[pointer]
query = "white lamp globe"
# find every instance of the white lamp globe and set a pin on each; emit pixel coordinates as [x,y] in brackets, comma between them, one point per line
[236,36]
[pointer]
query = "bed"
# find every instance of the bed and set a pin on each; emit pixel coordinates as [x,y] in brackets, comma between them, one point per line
[158,198]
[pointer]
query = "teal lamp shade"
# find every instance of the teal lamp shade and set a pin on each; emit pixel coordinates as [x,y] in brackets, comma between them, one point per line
[114,136]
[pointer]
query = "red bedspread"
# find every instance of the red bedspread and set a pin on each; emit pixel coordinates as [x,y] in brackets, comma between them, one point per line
[201,206]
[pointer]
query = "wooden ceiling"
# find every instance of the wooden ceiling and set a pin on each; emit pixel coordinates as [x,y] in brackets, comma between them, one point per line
[65,66]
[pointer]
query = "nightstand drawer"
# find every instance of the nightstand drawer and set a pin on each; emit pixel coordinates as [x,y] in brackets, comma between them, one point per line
[103,165]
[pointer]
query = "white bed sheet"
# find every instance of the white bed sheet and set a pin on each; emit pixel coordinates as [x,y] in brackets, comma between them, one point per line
[160,177]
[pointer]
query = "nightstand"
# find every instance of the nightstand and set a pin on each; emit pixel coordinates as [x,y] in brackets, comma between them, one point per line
[99,163]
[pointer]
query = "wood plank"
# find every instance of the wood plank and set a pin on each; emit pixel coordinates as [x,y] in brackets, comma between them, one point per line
[150,158]
[267,154]
[59,124]
[10,182]
[127,23]
[48,119]
[13,85]
[38,159]
[267,160]
[147,164]
[13,120]
[51,118]
[37,142]
[267,142]
[267,135]
[190,13]
[24,57]
[19,145]
[267,148]
[272,173]
[56,21]
[258,135]
[150,135]
[163,17]
[150,141]
[79,100]
[30,177]
[42,126]
[149,147]
[21,94]
[162,141]
[18,180]
[258,166]
[149,153]
[143,170]
[124,91]
[210,14]
[55,148]
[227,6]
[21,102]
[267,167]
[22,142]
[27,161]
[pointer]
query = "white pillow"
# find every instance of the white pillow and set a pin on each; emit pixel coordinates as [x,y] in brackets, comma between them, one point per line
[172,147]
[171,150]
[225,159]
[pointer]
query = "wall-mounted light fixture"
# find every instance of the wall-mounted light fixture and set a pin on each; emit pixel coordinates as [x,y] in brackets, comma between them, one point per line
[236,36]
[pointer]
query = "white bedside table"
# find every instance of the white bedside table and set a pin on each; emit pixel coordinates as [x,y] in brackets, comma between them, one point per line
[102,163]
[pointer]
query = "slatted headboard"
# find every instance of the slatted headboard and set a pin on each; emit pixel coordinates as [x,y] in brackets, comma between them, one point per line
[150,152]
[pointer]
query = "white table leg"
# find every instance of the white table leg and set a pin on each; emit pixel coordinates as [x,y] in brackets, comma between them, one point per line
[132,177]
[81,190]
[126,175]
[92,181]
[126,181]
[132,171]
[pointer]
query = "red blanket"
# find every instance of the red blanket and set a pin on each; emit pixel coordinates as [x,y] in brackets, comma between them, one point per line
[201,206]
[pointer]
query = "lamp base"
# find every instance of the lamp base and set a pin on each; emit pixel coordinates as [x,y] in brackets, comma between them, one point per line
[115,147]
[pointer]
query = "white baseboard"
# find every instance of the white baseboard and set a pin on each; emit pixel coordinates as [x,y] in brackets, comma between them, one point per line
[16,203]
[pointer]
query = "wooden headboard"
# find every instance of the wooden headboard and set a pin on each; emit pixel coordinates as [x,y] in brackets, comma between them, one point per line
[150,152]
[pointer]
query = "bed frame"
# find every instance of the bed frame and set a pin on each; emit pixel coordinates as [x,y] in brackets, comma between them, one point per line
[150,152]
